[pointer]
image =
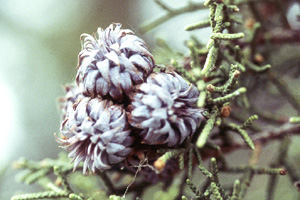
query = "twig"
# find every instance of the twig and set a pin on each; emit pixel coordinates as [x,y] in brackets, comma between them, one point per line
[270,135]
[171,13]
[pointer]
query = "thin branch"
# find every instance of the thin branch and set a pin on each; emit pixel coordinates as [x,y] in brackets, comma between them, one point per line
[263,138]
[191,7]
[268,136]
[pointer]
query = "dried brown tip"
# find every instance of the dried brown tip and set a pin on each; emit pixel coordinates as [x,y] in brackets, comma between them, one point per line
[283,172]
[225,111]
[159,164]
[236,74]
[210,88]
[259,58]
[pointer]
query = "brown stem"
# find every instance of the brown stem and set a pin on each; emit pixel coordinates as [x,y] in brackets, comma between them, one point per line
[263,138]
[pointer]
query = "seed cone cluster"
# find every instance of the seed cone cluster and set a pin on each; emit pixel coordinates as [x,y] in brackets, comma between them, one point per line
[118,104]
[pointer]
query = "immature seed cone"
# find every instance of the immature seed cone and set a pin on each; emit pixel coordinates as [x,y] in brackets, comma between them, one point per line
[163,108]
[96,133]
[112,62]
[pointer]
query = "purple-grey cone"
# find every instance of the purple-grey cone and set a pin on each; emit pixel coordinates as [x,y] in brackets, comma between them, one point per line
[73,94]
[112,62]
[164,109]
[96,133]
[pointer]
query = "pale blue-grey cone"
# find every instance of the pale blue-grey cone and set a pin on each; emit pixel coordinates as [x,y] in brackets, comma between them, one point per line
[73,94]
[164,109]
[96,133]
[112,62]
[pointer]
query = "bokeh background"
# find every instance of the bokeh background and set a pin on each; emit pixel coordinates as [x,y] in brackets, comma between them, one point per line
[39,43]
